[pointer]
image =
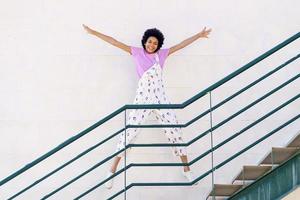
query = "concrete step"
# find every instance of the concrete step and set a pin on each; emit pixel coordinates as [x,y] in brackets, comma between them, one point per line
[223,190]
[279,155]
[251,173]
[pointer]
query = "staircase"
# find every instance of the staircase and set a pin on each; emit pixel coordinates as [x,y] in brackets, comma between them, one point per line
[249,174]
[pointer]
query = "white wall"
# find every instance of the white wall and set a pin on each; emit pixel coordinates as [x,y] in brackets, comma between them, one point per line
[56,80]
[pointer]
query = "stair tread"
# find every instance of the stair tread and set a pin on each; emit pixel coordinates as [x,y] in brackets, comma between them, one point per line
[280,154]
[225,189]
[250,172]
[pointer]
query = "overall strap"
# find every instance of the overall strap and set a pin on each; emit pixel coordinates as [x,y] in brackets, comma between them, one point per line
[156,58]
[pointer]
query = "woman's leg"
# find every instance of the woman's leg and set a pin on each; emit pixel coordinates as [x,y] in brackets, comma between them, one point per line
[184,159]
[136,116]
[174,135]
[115,163]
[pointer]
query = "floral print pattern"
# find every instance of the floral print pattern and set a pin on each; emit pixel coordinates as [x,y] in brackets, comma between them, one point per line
[151,91]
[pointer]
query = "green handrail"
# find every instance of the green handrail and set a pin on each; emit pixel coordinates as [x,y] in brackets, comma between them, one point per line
[205,153]
[174,106]
[137,145]
[175,164]
[161,106]
[209,171]
[282,186]
[187,144]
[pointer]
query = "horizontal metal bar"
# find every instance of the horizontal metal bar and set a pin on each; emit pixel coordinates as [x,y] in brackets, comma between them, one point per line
[244,89]
[246,128]
[228,139]
[256,142]
[244,109]
[154,106]
[156,126]
[242,69]
[66,164]
[59,147]
[218,105]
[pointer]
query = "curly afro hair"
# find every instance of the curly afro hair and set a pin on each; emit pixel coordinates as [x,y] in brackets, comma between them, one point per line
[155,33]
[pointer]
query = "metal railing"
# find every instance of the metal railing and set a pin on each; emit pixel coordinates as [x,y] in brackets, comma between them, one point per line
[168,106]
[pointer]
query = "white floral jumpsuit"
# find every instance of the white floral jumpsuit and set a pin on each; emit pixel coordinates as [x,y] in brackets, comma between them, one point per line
[151,91]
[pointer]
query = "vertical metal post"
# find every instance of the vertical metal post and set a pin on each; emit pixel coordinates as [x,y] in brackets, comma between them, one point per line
[272,158]
[211,146]
[244,182]
[125,156]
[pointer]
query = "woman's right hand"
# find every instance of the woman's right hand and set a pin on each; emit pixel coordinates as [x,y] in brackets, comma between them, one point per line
[89,30]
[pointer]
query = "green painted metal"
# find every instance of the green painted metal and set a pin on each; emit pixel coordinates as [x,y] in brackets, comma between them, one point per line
[275,184]
[209,171]
[154,145]
[202,155]
[137,145]
[215,127]
[173,106]
[161,106]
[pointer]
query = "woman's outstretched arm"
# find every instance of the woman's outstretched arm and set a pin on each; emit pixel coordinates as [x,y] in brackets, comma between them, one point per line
[108,39]
[203,34]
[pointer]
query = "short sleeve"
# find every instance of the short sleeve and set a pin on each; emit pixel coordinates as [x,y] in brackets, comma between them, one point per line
[135,50]
[163,54]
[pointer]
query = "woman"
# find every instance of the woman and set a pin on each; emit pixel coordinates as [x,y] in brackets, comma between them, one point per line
[149,64]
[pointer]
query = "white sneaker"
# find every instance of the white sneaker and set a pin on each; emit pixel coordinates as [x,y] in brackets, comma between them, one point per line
[108,184]
[189,176]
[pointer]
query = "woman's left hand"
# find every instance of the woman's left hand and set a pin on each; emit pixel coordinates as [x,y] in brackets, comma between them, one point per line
[204,33]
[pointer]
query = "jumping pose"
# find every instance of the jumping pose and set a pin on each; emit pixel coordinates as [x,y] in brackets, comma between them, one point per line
[149,60]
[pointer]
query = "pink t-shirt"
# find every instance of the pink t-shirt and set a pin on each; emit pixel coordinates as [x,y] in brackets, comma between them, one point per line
[144,60]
